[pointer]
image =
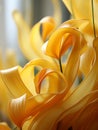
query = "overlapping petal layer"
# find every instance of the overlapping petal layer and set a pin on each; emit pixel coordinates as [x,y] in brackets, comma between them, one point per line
[76,8]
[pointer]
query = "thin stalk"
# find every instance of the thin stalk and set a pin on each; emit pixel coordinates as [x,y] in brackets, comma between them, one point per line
[60,64]
[93,20]
[73,16]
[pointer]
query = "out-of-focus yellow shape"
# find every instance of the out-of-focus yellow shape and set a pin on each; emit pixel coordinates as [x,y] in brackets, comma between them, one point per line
[8,59]
[4,126]
[27,36]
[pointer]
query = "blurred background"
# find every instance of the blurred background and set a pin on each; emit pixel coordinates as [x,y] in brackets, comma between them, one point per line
[32,11]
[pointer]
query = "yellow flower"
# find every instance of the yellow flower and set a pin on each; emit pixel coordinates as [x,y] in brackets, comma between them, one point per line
[43,100]
[46,92]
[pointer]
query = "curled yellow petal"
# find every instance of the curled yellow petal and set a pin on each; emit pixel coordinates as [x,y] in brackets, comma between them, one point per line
[12,80]
[17,110]
[52,76]
[23,108]
[48,25]
[56,45]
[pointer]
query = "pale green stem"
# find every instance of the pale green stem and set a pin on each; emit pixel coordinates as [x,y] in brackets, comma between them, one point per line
[60,65]
[93,20]
[73,16]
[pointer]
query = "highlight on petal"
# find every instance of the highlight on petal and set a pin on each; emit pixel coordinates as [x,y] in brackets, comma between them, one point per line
[17,110]
[12,81]
[87,59]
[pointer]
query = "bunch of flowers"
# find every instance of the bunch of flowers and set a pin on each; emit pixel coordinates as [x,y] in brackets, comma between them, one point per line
[58,88]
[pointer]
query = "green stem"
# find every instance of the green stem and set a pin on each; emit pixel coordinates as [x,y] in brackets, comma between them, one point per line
[93,20]
[60,65]
[73,16]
